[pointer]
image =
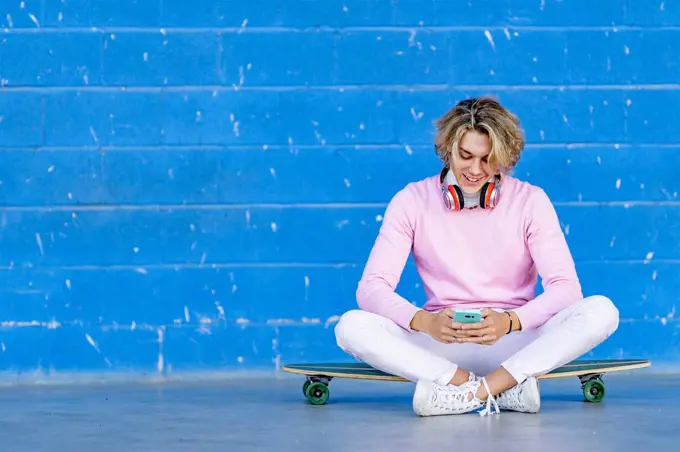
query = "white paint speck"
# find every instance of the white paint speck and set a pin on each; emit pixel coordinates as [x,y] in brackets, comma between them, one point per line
[186,314]
[409,151]
[135,249]
[273,226]
[38,240]
[92,343]
[34,19]
[489,38]
[378,218]
[68,284]
[649,256]
[347,184]
[654,275]
[618,183]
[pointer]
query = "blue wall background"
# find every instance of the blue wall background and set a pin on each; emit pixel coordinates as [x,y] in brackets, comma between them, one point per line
[196,185]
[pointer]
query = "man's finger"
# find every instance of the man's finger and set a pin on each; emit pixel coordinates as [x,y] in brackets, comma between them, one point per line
[486,339]
[471,326]
[471,339]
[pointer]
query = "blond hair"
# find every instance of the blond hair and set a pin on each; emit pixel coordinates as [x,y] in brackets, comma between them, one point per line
[483,115]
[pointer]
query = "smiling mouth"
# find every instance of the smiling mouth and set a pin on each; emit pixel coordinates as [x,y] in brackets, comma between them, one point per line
[472,180]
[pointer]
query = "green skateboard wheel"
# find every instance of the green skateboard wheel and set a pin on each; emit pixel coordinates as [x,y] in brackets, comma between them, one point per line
[593,390]
[317,393]
[305,386]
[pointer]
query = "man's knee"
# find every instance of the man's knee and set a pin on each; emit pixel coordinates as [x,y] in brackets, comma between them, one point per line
[349,328]
[603,312]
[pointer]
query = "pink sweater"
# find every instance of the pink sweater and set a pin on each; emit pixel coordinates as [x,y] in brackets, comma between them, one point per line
[474,258]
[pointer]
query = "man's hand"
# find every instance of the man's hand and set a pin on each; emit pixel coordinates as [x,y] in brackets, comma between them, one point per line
[493,326]
[438,325]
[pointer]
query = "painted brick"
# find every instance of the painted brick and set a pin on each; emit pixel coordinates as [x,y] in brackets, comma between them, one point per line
[55,59]
[280,59]
[49,178]
[21,118]
[312,117]
[160,58]
[221,118]
[103,118]
[394,57]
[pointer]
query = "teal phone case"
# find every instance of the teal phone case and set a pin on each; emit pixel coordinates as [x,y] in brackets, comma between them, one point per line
[467,317]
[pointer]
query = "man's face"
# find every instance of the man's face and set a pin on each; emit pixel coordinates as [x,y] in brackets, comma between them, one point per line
[472,168]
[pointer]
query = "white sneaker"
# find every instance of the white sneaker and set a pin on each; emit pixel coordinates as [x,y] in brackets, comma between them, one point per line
[432,399]
[524,397]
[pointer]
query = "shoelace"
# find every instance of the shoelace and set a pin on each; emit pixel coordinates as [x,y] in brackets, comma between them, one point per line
[490,400]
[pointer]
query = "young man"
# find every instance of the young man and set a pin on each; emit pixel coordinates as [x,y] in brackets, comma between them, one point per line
[479,238]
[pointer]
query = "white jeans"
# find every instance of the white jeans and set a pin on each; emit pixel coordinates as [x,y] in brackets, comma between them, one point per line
[569,334]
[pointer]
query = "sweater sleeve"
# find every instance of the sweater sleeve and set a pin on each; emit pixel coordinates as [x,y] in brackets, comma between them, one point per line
[386,261]
[554,263]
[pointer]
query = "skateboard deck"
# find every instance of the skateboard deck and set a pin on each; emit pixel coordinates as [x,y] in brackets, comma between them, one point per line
[589,372]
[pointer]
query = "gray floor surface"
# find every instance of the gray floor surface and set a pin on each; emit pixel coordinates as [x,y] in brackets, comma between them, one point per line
[640,412]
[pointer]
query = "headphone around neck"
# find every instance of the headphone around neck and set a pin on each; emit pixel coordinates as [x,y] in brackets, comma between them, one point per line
[453,195]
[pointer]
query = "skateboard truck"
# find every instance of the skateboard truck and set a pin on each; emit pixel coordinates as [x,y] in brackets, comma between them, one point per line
[316,389]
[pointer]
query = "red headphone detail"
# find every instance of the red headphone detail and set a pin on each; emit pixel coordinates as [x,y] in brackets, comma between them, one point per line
[453,195]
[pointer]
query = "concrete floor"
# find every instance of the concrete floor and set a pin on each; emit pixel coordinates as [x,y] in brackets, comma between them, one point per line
[639,412]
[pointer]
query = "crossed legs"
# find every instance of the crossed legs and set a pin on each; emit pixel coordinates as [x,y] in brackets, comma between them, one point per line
[510,361]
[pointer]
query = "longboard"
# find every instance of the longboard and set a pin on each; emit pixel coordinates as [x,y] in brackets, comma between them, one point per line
[589,372]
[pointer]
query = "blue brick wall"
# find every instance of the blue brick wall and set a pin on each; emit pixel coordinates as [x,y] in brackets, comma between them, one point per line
[161,164]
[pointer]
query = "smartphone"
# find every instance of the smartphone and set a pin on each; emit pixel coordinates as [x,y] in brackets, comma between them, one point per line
[468,316]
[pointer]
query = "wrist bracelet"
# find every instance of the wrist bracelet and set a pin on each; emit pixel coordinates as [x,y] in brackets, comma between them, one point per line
[510,327]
